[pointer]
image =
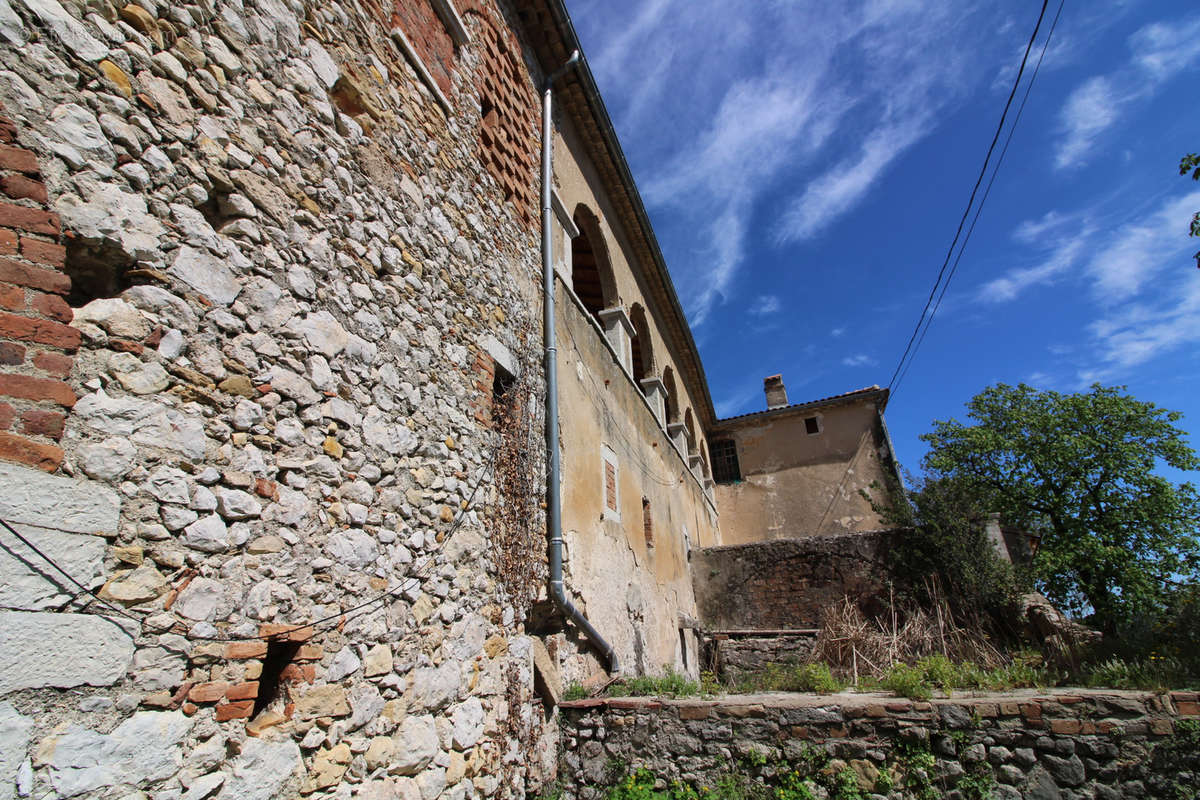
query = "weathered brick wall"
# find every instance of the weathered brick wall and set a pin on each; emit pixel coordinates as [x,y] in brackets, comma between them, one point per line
[785,584]
[36,342]
[1063,744]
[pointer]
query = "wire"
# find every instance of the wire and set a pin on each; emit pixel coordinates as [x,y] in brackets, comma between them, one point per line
[970,202]
[408,582]
[987,191]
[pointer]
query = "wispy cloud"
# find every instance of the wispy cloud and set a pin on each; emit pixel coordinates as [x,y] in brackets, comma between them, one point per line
[765,305]
[859,360]
[1158,53]
[837,332]
[777,92]
[1060,260]
[1143,331]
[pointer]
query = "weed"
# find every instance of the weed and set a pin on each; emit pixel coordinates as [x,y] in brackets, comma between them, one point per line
[575,691]
[669,684]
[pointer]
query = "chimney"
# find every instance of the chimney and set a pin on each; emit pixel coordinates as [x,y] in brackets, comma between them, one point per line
[776,394]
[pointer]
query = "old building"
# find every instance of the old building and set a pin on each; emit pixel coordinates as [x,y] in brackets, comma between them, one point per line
[272,402]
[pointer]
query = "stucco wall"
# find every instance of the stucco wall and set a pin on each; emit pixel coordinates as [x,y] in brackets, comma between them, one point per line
[632,591]
[795,484]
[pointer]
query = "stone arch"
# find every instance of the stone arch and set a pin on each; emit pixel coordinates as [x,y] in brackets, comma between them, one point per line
[671,399]
[642,359]
[591,271]
[704,470]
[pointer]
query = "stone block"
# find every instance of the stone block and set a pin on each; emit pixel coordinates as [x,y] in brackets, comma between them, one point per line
[64,504]
[29,583]
[62,650]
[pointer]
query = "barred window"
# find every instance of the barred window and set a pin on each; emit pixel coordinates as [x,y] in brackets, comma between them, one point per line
[723,454]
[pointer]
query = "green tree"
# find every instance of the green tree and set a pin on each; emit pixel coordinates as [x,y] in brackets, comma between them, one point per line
[1079,469]
[1191,164]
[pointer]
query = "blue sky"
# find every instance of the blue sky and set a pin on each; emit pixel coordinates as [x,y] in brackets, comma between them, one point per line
[805,166]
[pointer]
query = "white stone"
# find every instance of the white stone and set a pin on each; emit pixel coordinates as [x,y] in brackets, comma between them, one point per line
[144,748]
[207,274]
[352,548]
[432,782]
[468,723]
[378,431]
[435,687]
[261,770]
[264,599]
[168,485]
[113,216]
[366,703]
[199,600]
[15,731]
[108,460]
[207,534]
[28,583]
[346,662]
[32,497]
[74,124]
[246,414]
[115,316]
[144,422]
[293,386]
[203,786]
[12,29]
[137,376]
[416,745]
[171,345]
[169,307]
[62,650]
[203,499]
[66,29]
[321,62]
[236,504]
[323,333]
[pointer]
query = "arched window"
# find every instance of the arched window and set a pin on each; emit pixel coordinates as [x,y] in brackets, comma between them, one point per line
[591,274]
[643,354]
[672,397]
[689,430]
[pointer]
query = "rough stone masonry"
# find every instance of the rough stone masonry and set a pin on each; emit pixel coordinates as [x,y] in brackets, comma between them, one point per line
[249,268]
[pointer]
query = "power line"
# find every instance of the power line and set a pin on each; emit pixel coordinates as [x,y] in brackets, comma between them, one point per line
[987,191]
[408,582]
[933,293]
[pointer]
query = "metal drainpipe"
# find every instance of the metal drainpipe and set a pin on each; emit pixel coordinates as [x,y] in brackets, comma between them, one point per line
[553,500]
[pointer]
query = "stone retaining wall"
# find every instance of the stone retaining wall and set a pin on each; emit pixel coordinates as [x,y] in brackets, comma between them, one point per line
[1034,745]
[734,656]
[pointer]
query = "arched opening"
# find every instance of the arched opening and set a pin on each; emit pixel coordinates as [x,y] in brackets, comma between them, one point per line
[591,274]
[672,397]
[704,472]
[689,430]
[643,353]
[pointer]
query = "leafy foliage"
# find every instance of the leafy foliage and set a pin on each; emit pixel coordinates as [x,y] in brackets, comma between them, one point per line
[1191,163]
[669,684]
[1078,470]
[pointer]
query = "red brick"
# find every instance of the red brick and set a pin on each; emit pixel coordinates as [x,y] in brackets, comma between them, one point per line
[241,650]
[34,454]
[8,242]
[26,387]
[1187,708]
[1066,727]
[34,220]
[126,346]
[310,652]
[12,297]
[242,691]
[18,158]
[7,415]
[36,422]
[241,709]
[35,277]
[23,188]
[8,130]
[55,364]
[693,712]
[48,253]
[266,488]
[53,307]
[208,692]
[43,331]
[296,673]
[290,633]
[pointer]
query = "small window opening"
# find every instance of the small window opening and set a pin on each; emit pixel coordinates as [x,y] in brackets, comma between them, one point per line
[683,650]
[647,522]
[812,425]
[280,653]
[725,467]
[502,382]
[610,485]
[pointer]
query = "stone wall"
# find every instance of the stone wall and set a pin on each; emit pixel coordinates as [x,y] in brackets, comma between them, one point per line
[290,270]
[784,584]
[1063,744]
[733,656]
